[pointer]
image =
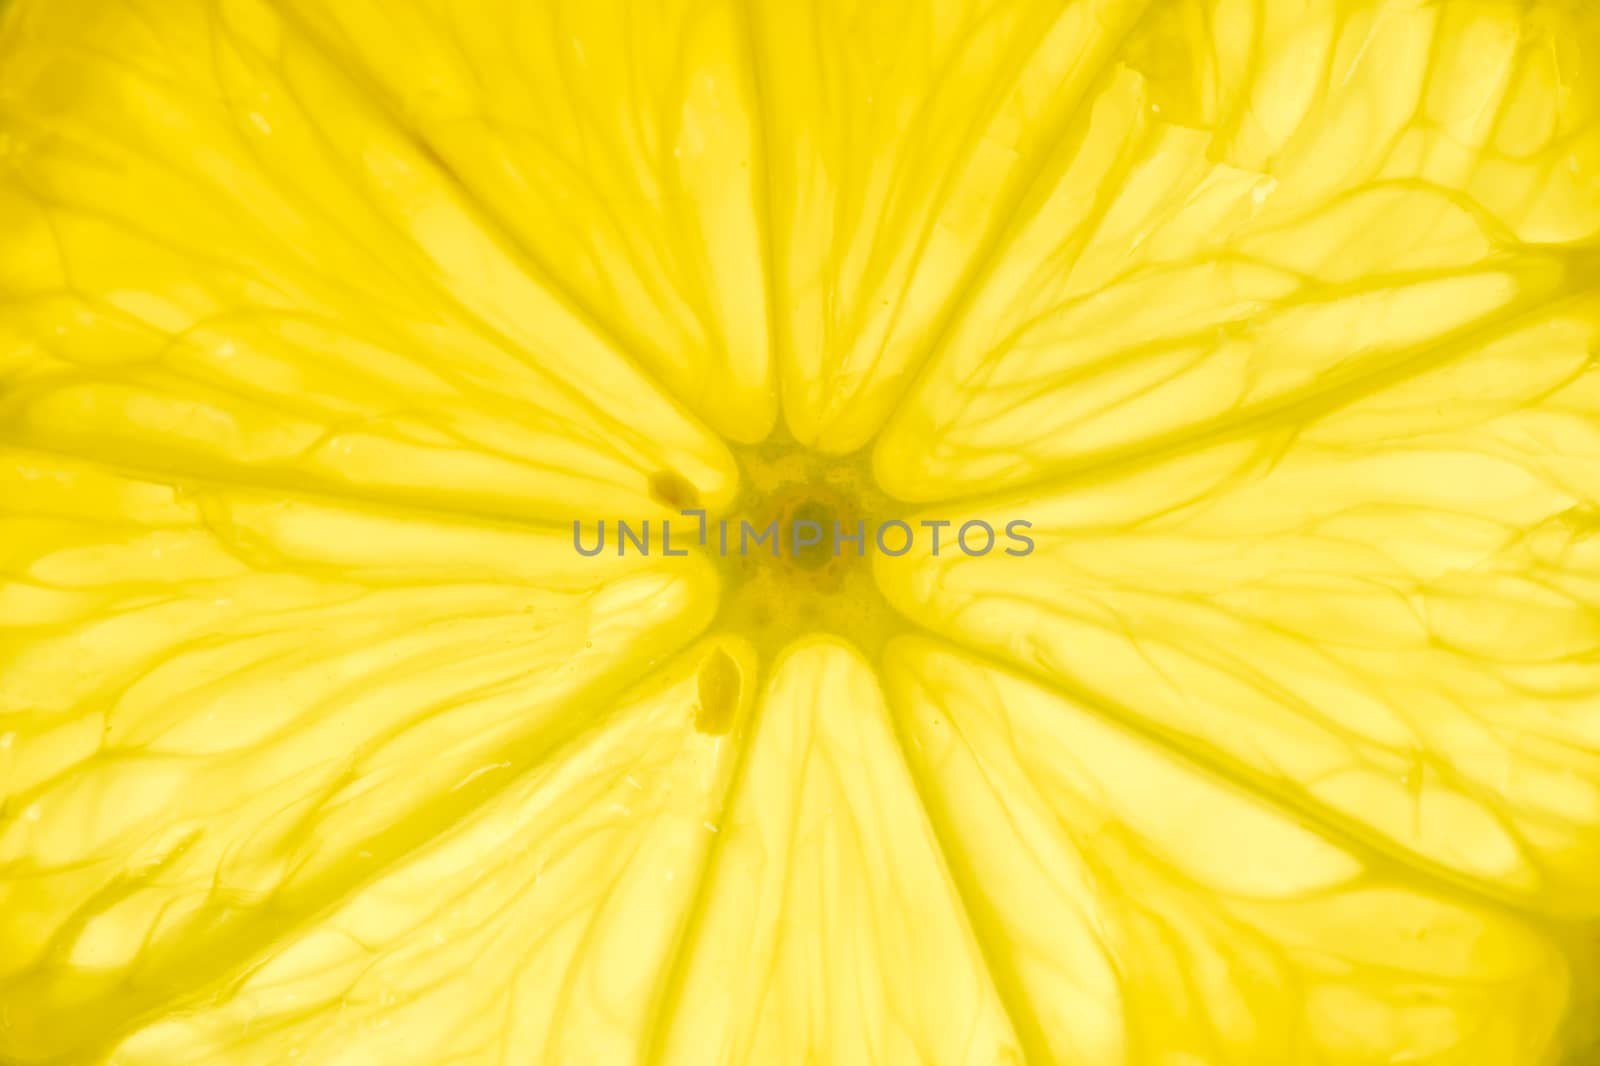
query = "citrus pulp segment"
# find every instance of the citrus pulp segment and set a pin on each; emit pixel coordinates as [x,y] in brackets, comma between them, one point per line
[829,923]
[617,146]
[224,711]
[564,897]
[211,274]
[1165,948]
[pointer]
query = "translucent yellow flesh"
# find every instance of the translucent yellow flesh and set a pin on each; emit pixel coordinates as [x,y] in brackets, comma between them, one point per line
[1163,946]
[321,321]
[828,926]
[225,259]
[1402,639]
[226,711]
[1388,187]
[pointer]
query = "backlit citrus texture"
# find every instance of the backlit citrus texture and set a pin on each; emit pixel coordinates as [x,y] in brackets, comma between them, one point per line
[321,322]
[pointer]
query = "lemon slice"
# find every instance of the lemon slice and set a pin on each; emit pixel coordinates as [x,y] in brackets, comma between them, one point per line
[331,333]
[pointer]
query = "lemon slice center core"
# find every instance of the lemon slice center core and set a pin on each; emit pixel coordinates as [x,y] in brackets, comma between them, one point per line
[795,554]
